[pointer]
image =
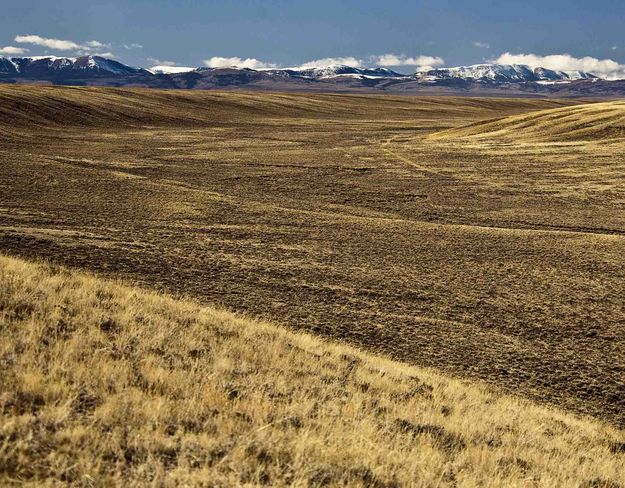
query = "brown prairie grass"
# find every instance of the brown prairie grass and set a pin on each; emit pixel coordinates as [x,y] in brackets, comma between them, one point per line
[106,384]
[586,122]
[56,107]
[332,213]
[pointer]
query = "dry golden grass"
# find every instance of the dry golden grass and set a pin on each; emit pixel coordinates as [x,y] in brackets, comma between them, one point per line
[488,259]
[55,107]
[591,122]
[104,384]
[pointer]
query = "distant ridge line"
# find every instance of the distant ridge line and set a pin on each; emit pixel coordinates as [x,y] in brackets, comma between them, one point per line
[483,79]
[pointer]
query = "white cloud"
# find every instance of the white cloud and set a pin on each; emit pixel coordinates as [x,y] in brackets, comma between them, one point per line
[96,44]
[133,45]
[63,45]
[160,62]
[481,45]
[604,68]
[322,63]
[10,50]
[171,69]
[91,52]
[50,43]
[402,60]
[251,63]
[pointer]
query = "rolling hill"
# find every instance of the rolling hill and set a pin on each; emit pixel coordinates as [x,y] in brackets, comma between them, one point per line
[336,215]
[595,122]
[46,106]
[104,384]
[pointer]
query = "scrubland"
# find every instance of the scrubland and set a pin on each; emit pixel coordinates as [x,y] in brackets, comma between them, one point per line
[107,384]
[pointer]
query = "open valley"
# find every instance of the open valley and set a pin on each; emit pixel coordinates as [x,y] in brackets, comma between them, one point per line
[405,226]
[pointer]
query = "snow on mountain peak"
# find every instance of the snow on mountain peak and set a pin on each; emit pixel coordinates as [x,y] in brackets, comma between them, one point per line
[500,73]
[338,70]
[55,64]
[166,70]
[59,68]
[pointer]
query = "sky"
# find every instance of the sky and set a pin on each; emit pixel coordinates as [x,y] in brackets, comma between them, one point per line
[405,35]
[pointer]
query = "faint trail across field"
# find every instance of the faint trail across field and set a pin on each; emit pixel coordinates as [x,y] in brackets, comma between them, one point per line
[387,147]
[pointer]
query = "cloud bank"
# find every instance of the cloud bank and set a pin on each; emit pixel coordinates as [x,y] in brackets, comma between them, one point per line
[251,63]
[63,44]
[423,62]
[161,62]
[59,44]
[96,44]
[383,60]
[604,68]
[11,50]
[322,63]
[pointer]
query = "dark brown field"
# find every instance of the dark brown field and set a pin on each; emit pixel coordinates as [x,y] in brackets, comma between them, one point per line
[497,257]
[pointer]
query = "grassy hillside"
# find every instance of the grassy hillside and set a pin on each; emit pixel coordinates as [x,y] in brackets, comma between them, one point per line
[103,384]
[36,106]
[334,214]
[591,122]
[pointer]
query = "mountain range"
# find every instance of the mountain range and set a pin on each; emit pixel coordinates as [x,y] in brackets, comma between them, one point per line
[480,79]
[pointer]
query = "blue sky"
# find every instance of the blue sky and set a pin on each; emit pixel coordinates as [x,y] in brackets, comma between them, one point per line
[290,33]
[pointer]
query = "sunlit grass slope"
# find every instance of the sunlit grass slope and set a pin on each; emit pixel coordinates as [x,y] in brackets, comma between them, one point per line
[59,107]
[105,384]
[597,121]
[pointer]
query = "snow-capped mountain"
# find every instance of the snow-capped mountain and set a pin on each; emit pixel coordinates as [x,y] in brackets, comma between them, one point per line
[545,74]
[52,65]
[320,73]
[501,73]
[337,70]
[480,79]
